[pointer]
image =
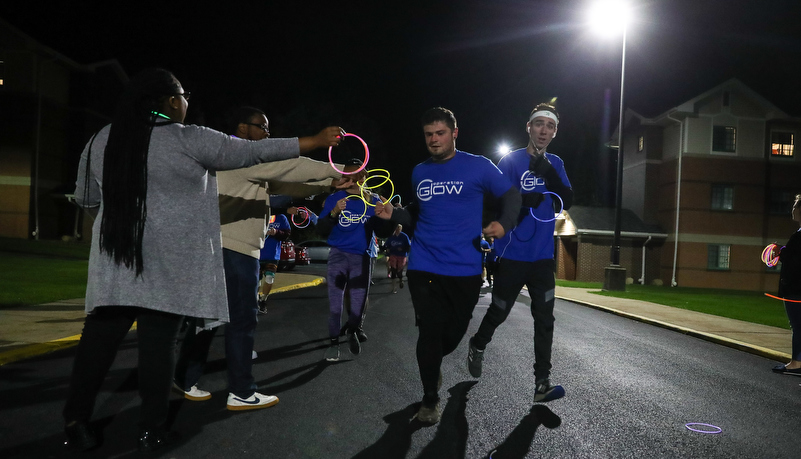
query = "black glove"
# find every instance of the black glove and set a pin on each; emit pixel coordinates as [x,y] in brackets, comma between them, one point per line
[539,165]
[532,199]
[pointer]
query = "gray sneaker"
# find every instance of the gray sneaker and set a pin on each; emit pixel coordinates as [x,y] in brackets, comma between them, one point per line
[332,353]
[475,359]
[545,392]
[428,414]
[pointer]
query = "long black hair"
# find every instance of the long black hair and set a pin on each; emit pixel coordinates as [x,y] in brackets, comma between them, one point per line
[125,165]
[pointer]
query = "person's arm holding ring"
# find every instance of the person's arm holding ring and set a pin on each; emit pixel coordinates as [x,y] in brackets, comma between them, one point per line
[328,137]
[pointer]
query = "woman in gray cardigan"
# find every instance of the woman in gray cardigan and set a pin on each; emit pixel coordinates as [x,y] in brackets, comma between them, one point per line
[152,181]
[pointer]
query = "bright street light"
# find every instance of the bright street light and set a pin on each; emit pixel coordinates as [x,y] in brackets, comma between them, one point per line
[504,149]
[608,17]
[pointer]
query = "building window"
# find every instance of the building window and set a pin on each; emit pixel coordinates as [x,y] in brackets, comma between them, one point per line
[724,138]
[781,144]
[641,143]
[722,197]
[781,202]
[718,256]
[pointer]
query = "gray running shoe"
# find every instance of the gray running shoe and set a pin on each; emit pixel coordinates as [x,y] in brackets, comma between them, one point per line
[428,414]
[332,353]
[475,360]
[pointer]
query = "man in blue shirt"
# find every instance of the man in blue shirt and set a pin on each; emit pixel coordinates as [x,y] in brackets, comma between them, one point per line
[445,260]
[525,255]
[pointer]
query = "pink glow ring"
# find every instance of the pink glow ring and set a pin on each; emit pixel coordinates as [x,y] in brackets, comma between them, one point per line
[766,256]
[366,156]
[305,220]
[689,424]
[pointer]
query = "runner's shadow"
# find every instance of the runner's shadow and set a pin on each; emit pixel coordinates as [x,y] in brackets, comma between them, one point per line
[450,440]
[397,439]
[306,373]
[518,443]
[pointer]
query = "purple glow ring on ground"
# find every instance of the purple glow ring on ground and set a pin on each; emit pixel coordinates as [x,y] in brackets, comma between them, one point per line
[562,205]
[366,156]
[703,431]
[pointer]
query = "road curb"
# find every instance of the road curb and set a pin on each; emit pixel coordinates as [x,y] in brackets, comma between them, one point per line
[38,349]
[739,345]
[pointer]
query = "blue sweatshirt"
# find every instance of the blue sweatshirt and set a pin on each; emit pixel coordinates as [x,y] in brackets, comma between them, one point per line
[451,198]
[531,240]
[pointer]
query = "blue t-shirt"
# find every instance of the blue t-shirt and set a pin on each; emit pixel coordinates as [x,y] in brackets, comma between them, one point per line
[398,245]
[272,246]
[451,198]
[354,229]
[530,240]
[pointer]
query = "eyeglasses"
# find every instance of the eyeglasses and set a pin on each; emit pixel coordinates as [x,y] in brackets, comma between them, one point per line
[263,127]
[185,94]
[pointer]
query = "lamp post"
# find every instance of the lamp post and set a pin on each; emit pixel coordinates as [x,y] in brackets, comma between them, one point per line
[604,16]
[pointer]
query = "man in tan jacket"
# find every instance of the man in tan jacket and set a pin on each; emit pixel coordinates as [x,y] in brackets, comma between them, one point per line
[244,211]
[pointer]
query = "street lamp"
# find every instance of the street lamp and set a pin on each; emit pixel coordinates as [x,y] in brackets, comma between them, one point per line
[612,17]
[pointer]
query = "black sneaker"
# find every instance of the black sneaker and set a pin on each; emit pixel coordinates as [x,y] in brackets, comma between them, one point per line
[361,335]
[475,359]
[782,369]
[545,392]
[353,342]
[80,437]
[401,283]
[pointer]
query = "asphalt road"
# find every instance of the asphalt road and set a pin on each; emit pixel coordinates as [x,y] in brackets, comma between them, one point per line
[631,388]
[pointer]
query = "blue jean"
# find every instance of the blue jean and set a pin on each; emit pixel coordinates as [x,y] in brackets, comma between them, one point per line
[351,271]
[242,284]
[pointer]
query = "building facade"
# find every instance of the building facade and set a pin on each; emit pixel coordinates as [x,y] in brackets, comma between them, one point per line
[49,108]
[718,173]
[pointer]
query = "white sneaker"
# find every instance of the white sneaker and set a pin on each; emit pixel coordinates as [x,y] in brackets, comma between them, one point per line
[194,394]
[254,402]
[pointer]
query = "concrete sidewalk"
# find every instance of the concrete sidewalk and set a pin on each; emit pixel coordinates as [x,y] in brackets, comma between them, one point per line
[33,330]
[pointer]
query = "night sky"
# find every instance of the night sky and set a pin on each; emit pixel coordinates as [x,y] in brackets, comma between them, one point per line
[374,67]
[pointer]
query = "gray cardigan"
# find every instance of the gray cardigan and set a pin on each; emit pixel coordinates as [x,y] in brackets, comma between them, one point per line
[181,247]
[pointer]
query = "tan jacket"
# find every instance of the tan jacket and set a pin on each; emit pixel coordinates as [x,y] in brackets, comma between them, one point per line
[245,197]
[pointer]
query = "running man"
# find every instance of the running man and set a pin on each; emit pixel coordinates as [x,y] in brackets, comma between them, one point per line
[445,261]
[525,255]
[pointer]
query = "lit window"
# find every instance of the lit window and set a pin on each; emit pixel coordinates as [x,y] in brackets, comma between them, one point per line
[718,256]
[724,138]
[722,197]
[781,144]
[641,143]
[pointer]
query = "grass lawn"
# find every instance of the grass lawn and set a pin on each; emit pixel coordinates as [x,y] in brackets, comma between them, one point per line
[752,307]
[36,272]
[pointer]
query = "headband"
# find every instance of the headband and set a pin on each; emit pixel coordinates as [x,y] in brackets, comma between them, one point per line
[545,113]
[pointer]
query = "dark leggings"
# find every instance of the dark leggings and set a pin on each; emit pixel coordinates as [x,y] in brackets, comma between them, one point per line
[510,277]
[103,331]
[443,307]
[794,314]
